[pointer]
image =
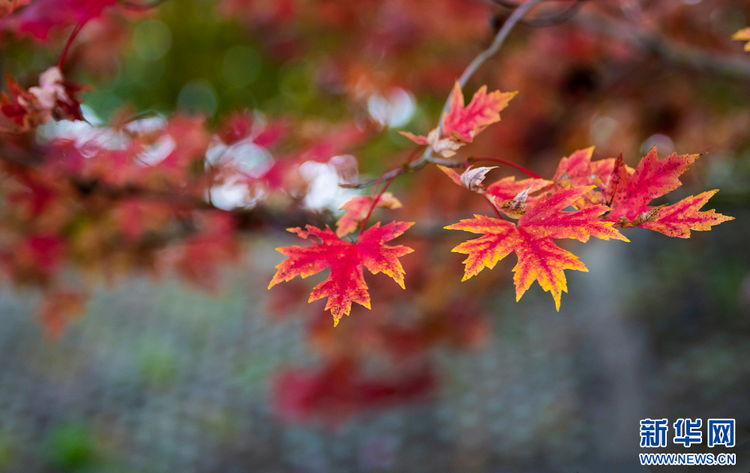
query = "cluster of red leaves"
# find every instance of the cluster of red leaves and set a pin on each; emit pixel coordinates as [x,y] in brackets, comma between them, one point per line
[605,195]
[122,200]
[134,196]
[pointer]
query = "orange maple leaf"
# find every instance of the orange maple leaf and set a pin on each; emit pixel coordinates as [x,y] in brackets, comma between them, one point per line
[462,122]
[346,283]
[743,35]
[539,258]
[357,209]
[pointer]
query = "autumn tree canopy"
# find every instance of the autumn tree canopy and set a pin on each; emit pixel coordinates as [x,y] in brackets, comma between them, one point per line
[163,138]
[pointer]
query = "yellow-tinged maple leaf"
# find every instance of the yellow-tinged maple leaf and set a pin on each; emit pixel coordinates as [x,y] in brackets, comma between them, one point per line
[357,209]
[630,192]
[462,122]
[539,258]
[346,283]
[677,220]
[743,35]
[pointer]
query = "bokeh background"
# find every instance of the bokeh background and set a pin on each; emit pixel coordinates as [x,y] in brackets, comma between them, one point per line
[197,368]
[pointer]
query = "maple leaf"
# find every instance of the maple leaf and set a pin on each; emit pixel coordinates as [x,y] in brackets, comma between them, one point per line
[462,122]
[743,35]
[539,258]
[578,170]
[677,220]
[357,209]
[630,192]
[653,178]
[483,110]
[346,283]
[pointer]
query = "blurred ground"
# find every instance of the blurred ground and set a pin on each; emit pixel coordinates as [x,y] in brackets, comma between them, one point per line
[161,378]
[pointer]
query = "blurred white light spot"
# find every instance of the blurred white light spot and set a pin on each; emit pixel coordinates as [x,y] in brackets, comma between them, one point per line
[602,128]
[324,191]
[663,143]
[245,156]
[156,153]
[73,130]
[232,194]
[147,124]
[394,110]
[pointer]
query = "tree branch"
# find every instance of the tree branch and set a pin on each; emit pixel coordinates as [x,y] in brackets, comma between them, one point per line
[427,157]
[670,50]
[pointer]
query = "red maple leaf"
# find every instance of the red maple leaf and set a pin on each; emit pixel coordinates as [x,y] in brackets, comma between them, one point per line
[539,258]
[346,283]
[462,122]
[629,195]
[483,110]
[578,170]
[677,220]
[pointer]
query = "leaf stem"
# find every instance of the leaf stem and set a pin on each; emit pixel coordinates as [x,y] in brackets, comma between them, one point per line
[374,203]
[507,163]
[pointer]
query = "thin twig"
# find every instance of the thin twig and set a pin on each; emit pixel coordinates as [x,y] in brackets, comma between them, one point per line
[374,204]
[88,16]
[514,18]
